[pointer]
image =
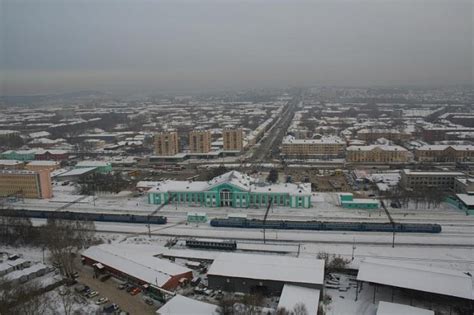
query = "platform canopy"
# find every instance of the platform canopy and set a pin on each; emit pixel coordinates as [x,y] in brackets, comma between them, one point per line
[417,277]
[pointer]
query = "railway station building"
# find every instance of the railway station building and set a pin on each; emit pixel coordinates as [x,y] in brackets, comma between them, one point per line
[232,189]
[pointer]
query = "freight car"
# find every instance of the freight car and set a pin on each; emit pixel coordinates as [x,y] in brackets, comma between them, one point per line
[84,216]
[212,244]
[327,226]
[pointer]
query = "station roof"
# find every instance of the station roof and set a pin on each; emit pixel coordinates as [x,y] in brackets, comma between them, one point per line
[467,199]
[417,277]
[180,305]
[293,295]
[386,308]
[265,267]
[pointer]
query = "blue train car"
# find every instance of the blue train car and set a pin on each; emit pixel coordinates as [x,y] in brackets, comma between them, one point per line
[328,226]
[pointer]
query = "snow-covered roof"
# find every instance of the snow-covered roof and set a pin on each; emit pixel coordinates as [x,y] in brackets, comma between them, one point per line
[92,164]
[439,147]
[376,146]
[293,295]
[43,163]
[10,162]
[237,179]
[77,171]
[467,199]
[39,134]
[322,140]
[417,277]
[386,308]
[136,261]
[265,267]
[181,305]
[428,173]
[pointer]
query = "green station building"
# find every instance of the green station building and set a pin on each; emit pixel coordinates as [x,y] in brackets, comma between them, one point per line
[348,201]
[232,189]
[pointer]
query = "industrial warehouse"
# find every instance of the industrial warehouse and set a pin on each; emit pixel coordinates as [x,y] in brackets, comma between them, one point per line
[252,273]
[232,189]
[137,265]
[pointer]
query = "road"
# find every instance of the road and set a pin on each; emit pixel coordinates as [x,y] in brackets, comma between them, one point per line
[274,136]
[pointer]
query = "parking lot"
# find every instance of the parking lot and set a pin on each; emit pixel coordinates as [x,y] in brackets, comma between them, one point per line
[133,304]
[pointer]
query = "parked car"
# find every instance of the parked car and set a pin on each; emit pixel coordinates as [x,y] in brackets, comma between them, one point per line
[130,288]
[135,291]
[102,300]
[92,294]
[122,286]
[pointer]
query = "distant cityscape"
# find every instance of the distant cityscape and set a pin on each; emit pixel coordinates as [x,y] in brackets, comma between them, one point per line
[319,200]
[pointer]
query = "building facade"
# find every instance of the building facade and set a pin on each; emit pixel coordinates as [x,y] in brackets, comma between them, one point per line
[28,184]
[233,139]
[232,189]
[445,153]
[20,155]
[166,143]
[377,154]
[370,135]
[419,180]
[200,141]
[42,165]
[307,148]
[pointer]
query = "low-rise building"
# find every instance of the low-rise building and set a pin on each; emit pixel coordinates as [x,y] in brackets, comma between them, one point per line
[307,148]
[347,200]
[445,153]
[101,166]
[266,274]
[42,165]
[27,184]
[21,155]
[137,264]
[419,180]
[377,154]
[11,164]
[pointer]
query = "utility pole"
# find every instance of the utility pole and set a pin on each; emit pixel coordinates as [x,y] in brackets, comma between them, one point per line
[353,248]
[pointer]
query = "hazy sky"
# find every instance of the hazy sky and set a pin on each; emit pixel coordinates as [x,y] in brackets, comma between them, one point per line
[57,46]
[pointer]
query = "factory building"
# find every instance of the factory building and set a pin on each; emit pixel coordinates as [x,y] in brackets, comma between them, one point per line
[166,143]
[200,141]
[232,189]
[252,273]
[27,184]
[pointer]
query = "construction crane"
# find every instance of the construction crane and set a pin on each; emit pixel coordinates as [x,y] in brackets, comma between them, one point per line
[270,202]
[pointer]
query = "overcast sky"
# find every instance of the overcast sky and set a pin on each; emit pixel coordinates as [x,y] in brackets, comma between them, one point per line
[70,45]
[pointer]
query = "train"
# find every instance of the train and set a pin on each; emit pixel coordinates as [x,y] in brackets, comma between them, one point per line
[212,244]
[84,216]
[327,226]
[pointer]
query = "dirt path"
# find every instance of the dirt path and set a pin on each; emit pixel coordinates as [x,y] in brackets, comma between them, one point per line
[132,304]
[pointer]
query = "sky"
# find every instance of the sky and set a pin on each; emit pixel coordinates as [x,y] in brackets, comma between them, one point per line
[52,46]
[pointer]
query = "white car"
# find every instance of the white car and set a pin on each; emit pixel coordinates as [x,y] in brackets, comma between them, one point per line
[102,301]
[92,294]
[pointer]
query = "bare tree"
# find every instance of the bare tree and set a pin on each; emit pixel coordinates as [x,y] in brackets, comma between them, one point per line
[64,238]
[300,309]
[67,302]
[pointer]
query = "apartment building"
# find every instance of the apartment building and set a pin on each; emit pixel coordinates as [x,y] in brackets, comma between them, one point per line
[445,153]
[28,184]
[370,135]
[377,154]
[200,141]
[324,147]
[233,139]
[419,180]
[166,143]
